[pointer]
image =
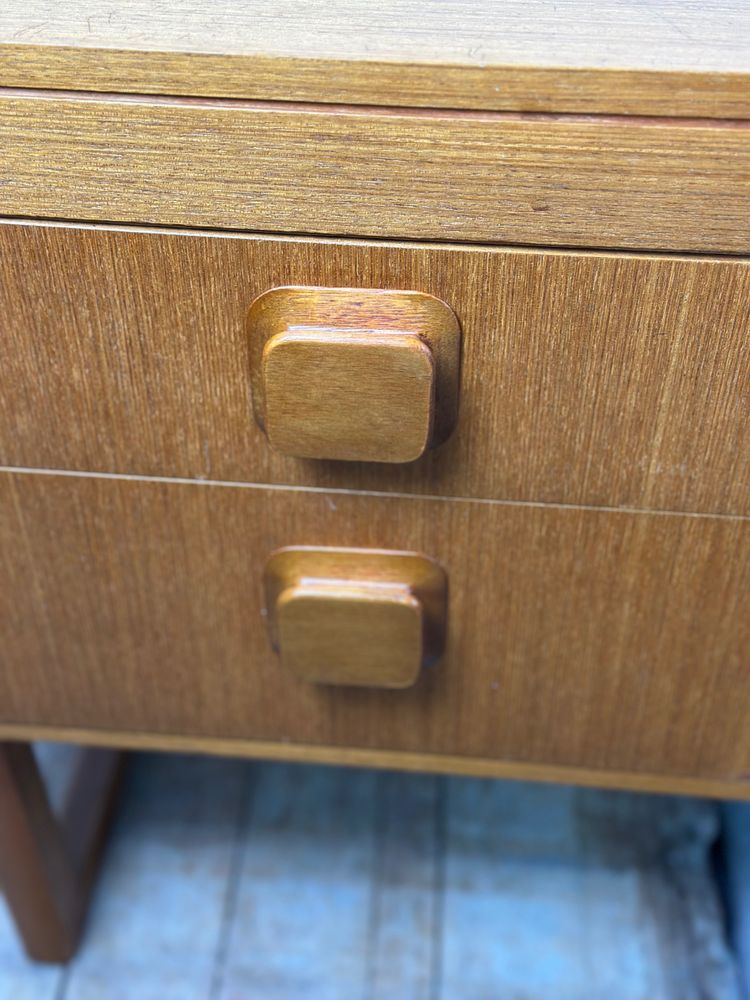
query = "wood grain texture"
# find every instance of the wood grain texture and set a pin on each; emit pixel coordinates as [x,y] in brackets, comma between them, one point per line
[584,639]
[354,374]
[586,378]
[366,172]
[659,57]
[365,617]
[428,763]
[351,635]
[349,396]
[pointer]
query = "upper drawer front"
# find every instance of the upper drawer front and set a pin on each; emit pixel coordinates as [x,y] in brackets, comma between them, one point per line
[601,639]
[586,378]
[536,179]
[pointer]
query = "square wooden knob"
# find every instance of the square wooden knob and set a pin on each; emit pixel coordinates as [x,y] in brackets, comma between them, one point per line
[353,374]
[337,634]
[355,616]
[350,396]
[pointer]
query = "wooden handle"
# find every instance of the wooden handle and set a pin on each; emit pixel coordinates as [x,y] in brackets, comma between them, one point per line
[354,374]
[355,616]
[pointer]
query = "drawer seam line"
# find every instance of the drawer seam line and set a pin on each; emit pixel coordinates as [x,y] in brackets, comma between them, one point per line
[341,491]
[462,245]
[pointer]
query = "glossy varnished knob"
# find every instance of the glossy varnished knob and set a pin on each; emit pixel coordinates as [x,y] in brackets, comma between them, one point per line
[354,374]
[355,616]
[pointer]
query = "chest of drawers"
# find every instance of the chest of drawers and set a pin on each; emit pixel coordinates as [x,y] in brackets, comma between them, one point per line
[584,216]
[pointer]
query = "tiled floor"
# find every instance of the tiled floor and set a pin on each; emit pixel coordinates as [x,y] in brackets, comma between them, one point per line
[736,877]
[236,881]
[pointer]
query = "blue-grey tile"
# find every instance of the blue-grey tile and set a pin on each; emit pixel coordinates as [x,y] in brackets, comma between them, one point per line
[556,894]
[405,912]
[302,911]
[21,979]
[158,912]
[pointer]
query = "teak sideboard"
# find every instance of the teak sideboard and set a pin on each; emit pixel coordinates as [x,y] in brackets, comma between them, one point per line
[374,389]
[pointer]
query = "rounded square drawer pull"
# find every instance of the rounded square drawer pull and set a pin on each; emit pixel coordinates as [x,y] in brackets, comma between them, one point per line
[351,374]
[361,617]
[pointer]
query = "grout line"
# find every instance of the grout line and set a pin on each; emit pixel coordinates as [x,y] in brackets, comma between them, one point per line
[244,817]
[62,987]
[374,917]
[383,494]
[438,915]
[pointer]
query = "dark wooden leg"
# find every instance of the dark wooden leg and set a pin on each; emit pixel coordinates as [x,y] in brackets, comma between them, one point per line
[48,863]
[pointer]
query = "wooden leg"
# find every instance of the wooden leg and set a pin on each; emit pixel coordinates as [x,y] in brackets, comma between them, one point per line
[48,863]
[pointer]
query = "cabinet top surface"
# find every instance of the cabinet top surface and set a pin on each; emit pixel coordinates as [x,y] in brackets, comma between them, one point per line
[614,34]
[620,56]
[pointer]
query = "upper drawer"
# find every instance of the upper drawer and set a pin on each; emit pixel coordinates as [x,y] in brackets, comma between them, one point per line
[586,378]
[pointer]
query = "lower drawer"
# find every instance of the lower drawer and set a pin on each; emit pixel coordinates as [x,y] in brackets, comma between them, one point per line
[582,638]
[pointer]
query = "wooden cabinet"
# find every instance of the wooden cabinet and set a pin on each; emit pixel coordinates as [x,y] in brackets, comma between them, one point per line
[589,495]
[584,483]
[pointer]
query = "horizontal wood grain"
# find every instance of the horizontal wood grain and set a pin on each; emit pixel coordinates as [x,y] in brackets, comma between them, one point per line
[430,763]
[595,379]
[478,177]
[583,639]
[659,57]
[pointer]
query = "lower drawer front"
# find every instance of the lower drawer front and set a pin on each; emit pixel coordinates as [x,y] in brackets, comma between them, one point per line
[576,637]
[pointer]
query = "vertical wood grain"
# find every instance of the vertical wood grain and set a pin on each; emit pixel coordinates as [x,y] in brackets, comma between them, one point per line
[576,638]
[599,379]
